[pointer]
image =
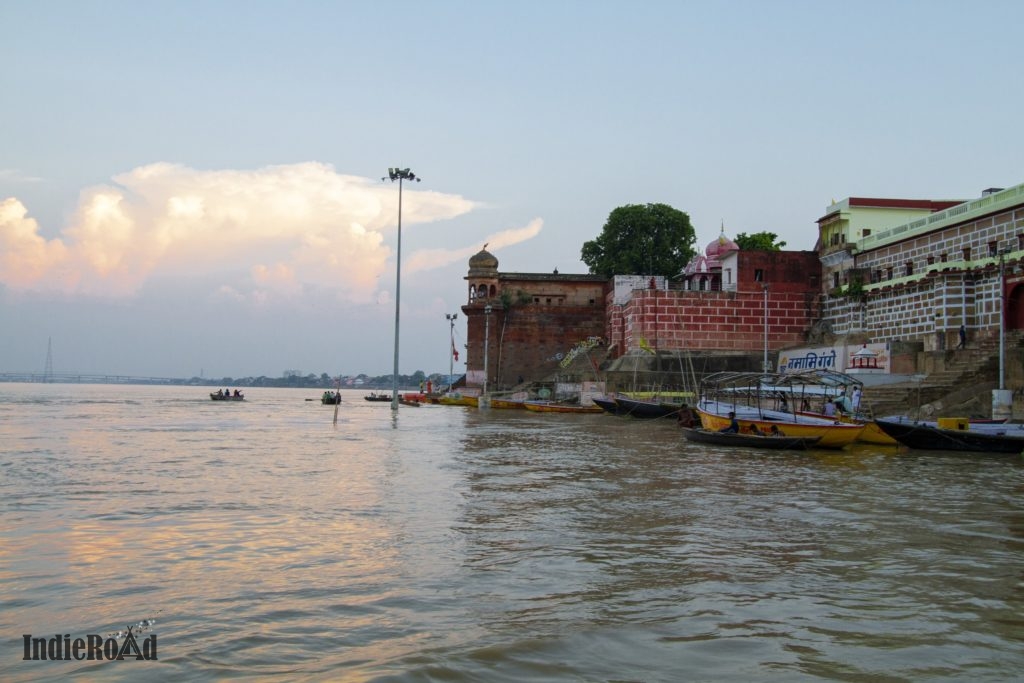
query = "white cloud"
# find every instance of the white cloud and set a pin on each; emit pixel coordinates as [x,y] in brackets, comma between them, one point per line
[270,230]
[427,259]
[13,175]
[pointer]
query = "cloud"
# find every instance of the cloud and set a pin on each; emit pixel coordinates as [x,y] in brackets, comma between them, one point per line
[277,229]
[13,175]
[427,259]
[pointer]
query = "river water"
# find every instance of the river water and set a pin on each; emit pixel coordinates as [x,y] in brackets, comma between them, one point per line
[451,544]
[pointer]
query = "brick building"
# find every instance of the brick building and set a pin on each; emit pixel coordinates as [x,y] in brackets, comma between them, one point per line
[526,323]
[921,279]
[727,300]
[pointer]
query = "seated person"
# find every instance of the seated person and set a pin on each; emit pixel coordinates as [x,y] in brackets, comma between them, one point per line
[734,426]
[752,429]
[775,431]
[830,409]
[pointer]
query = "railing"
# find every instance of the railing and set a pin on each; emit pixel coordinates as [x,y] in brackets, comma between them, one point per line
[958,213]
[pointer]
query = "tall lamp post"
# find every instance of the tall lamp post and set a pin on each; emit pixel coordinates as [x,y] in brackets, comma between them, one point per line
[1002,318]
[451,348]
[764,362]
[399,174]
[1002,400]
[487,340]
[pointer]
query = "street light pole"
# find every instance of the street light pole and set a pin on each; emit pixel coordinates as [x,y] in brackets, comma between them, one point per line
[1002,319]
[764,362]
[399,174]
[487,340]
[451,348]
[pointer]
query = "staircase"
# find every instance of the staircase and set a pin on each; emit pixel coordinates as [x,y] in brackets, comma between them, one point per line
[962,388]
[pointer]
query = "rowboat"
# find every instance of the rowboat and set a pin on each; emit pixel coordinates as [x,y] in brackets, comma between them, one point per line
[506,404]
[556,407]
[733,439]
[456,399]
[983,438]
[608,405]
[226,397]
[646,409]
[377,397]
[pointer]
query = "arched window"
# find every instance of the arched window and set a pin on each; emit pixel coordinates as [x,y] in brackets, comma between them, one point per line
[472,293]
[494,291]
[482,291]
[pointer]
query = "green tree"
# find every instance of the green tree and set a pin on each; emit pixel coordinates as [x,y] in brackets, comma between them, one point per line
[759,241]
[641,239]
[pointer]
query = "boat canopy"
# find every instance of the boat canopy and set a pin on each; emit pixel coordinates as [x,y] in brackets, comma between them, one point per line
[793,384]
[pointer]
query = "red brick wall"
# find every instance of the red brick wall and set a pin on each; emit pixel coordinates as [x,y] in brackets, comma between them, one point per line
[710,321]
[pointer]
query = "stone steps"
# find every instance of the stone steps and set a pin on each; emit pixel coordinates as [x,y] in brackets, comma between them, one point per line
[967,375]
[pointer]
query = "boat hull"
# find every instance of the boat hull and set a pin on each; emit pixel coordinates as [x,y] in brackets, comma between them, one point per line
[547,407]
[215,397]
[831,435]
[932,438]
[645,409]
[733,439]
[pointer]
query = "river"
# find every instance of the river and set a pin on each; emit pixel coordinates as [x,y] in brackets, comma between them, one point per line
[261,540]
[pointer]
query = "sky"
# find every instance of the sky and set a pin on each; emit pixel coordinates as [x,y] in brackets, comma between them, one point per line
[195,188]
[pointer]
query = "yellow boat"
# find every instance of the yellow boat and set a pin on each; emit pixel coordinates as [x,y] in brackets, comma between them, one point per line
[832,434]
[506,403]
[458,400]
[555,407]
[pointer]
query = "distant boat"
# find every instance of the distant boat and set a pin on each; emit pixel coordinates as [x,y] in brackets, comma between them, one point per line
[237,396]
[750,440]
[330,399]
[978,438]
[556,407]
[377,397]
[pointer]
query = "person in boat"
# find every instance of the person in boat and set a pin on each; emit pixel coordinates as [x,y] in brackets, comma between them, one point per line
[220,393]
[685,417]
[805,406]
[237,392]
[783,403]
[830,408]
[775,431]
[752,429]
[734,426]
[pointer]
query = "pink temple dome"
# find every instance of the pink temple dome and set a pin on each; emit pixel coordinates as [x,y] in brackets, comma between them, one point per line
[720,245]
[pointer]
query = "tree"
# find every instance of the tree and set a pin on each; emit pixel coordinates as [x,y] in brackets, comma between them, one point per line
[641,239]
[759,241]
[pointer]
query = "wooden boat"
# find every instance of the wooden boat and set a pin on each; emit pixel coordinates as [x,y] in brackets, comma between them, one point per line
[378,397]
[557,407]
[506,404]
[977,438]
[830,433]
[330,400]
[226,397]
[733,439]
[646,409]
[608,405]
[457,399]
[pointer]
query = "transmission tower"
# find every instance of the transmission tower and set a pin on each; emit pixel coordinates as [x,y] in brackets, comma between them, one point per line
[48,370]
